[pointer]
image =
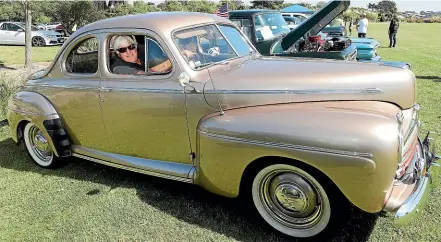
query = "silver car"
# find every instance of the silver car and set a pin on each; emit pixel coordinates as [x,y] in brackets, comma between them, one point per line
[13,33]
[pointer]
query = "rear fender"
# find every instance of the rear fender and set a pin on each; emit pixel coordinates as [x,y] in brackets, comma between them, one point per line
[26,106]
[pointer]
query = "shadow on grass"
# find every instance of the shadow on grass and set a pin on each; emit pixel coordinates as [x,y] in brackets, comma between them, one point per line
[186,202]
[3,66]
[434,78]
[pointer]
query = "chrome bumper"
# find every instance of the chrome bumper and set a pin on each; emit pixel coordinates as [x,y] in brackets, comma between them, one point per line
[414,203]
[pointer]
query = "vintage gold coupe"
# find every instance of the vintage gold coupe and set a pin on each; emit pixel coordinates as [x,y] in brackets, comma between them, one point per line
[186,96]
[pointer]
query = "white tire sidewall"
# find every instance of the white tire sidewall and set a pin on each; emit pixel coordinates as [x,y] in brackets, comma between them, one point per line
[299,233]
[31,151]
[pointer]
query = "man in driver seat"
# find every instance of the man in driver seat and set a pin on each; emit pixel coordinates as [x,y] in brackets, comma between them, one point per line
[132,62]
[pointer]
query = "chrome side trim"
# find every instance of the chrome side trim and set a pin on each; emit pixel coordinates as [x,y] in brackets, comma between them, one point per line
[305,91]
[32,113]
[288,146]
[78,87]
[165,169]
[148,90]
[142,171]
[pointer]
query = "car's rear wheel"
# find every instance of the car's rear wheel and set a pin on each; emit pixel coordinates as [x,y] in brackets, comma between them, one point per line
[38,147]
[38,41]
[295,203]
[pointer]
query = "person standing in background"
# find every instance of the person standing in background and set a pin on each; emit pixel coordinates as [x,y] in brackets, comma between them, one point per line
[362,26]
[351,22]
[393,30]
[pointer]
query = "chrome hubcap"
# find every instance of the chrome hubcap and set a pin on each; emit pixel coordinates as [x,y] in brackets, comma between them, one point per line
[39,144]
[291,199]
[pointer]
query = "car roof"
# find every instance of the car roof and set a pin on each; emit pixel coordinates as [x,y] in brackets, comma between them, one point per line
[162,23]
[249,12]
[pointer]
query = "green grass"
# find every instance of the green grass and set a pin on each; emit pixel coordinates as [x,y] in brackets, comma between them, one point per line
[86,201]
[11,55]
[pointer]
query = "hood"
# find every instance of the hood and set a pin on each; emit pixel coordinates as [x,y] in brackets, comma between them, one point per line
[47,32]
[316,22]
[275,80]
[365,43]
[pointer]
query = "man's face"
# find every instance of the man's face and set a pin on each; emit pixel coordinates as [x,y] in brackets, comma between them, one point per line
[128,52]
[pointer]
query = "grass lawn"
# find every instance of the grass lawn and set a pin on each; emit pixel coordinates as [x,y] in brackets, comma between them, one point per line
[10,55]
[85,201]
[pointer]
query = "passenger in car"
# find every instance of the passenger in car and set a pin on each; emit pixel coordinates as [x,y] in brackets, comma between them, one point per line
[129,61]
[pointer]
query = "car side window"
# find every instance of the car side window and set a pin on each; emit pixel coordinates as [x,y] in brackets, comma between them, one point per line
[12,27]
[137,55]
[83,59]
[245,26]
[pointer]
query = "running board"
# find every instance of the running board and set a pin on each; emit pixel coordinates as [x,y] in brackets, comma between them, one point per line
[168,170]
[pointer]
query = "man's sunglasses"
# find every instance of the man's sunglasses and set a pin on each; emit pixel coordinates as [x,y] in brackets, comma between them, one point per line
[124,49]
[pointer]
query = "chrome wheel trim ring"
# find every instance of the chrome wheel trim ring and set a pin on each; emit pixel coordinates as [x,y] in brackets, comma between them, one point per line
[287,204]
[37,145]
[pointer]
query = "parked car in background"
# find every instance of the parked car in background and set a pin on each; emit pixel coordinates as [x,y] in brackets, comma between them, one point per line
[13,33]
[57,27]
[269,32]
[292,22]
[304,141]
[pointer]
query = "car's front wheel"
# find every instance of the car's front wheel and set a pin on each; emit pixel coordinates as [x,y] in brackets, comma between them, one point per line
[38,147]
[38,41]
[295,203]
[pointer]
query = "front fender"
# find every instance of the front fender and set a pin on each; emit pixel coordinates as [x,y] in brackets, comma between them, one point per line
[355,144]
[33,107]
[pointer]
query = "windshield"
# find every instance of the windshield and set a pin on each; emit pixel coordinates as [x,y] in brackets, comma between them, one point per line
[33,27]
[208,44]
[269,25]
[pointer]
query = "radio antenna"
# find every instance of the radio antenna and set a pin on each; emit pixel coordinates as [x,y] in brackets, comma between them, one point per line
[217,95]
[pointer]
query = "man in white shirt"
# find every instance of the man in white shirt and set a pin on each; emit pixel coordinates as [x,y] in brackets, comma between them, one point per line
[362,26]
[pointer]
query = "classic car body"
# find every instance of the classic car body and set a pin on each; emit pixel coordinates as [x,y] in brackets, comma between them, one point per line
[301,139]
[306,39]
[13,33]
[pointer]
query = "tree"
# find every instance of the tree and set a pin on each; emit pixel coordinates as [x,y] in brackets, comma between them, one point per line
[171,6]
[203,6]
[386,9]
[267,4]
[76,13]
[28,35]
[320,5]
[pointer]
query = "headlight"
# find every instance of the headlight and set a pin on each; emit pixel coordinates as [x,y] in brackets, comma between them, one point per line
[50,36]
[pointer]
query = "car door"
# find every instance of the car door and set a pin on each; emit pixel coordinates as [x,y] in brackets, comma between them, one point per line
[16,34]
[73,90]
[145,115]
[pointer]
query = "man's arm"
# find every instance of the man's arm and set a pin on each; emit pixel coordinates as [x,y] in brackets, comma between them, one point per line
[163,67]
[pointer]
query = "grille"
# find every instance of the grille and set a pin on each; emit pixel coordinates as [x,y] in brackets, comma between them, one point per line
[408,151]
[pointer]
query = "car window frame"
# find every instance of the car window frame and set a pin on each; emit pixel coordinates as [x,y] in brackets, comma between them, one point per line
[72,45]
[105,47]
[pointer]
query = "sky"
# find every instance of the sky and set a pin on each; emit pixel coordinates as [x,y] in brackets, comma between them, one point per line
[403,5]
